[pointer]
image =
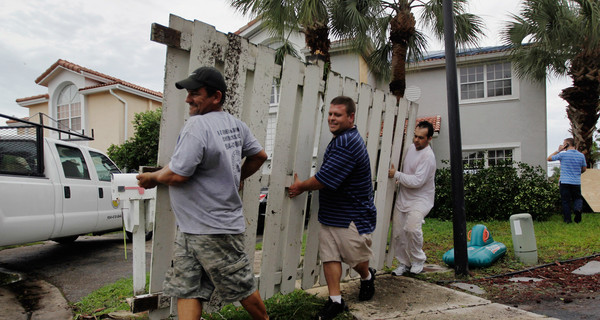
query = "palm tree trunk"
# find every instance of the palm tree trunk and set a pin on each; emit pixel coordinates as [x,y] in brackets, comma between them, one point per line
[402,28]
[317,40]
[583,99]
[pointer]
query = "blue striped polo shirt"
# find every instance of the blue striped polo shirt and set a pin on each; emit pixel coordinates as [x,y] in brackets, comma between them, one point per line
[348,192]
[571,162]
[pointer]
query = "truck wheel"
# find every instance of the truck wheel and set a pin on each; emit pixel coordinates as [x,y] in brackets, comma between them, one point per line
[66,240]
[130,235]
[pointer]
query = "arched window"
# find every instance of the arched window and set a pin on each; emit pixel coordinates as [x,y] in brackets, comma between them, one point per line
[68,110]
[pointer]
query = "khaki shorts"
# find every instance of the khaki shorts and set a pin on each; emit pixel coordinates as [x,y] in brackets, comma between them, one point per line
[344,245]
[205,263]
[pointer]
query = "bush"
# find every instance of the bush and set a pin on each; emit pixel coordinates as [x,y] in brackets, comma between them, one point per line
[497,192]
[142,148]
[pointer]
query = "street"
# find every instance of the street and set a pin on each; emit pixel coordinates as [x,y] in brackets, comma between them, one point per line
[77,269]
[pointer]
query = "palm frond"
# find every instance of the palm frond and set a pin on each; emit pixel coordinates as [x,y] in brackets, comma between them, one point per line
[287,48]
[468,27]
[417,47]
[547,34]
[313,12]
[379,62]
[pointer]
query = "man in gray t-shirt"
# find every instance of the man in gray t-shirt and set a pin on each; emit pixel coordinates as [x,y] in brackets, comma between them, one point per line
[204,176]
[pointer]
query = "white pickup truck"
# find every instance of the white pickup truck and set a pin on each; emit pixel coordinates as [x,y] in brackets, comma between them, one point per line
[53,189]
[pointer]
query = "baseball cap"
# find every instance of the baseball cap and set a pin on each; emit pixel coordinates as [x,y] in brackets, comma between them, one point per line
[203,77]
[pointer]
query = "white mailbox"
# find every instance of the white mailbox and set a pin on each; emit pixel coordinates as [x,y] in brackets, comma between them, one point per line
[135,209]
[125,187]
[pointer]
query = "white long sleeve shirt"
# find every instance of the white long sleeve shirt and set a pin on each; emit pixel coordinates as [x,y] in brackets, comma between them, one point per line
[417,181]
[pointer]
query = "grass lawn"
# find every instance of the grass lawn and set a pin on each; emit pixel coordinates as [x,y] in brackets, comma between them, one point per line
[556,241]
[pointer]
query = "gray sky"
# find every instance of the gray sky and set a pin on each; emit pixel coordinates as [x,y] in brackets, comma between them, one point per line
[113,37]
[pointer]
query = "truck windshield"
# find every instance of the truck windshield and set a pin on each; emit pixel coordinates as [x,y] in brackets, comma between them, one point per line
[104,167]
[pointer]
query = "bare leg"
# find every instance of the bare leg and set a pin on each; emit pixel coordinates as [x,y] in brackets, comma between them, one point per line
[362,269]
[255,306]
[333,273]
[189,309]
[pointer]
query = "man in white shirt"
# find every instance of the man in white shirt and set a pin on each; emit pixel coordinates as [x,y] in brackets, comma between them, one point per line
[414,201]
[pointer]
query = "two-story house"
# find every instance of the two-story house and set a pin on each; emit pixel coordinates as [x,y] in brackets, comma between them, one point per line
[502,116]
[84,100]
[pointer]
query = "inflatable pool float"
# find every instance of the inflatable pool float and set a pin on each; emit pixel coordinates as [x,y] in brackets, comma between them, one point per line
[482,250]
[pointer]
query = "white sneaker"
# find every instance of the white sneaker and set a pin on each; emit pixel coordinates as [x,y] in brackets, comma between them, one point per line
[400,270]
[417,267]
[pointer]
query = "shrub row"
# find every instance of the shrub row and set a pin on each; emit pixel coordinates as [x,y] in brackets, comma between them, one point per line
[497,192]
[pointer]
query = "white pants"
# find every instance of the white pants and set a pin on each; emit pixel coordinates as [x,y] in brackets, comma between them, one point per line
[407,237]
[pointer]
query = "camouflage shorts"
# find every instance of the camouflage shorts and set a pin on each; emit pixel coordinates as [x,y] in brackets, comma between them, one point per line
[205,263]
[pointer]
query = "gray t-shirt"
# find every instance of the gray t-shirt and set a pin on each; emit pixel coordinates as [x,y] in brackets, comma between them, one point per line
[209,150]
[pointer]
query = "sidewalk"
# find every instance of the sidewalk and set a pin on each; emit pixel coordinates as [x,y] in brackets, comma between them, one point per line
[408,298]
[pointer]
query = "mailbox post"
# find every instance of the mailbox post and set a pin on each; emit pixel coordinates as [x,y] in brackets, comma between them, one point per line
[138,218]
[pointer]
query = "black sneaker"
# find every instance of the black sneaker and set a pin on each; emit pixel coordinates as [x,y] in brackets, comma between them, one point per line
[331,310]
[367,287]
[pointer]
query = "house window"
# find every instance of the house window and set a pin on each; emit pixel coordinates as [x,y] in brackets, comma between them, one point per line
[485,81]
[68,110]
[275,87]
[272,120]
[473,159]
[270,139]
[486,158]
[471,82]
[499,80]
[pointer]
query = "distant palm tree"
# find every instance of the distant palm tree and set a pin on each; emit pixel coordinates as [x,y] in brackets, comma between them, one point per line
[282,18]
[392,28]
[562,37]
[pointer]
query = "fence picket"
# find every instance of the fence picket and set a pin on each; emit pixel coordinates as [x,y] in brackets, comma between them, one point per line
[304,142]
[255,97]
[274,240]
[362,109]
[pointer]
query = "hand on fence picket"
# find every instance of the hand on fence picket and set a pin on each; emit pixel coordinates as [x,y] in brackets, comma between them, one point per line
[392,171]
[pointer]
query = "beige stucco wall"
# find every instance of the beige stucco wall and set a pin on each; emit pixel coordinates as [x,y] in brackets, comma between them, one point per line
[106,115]
[38,108]
[34,109]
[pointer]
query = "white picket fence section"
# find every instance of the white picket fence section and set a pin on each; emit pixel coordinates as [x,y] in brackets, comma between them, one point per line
[249,71]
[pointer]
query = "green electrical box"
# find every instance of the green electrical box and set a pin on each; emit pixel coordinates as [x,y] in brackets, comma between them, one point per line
[523,237]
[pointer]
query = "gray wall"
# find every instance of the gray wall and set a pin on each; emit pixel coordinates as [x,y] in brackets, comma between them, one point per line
[518,122]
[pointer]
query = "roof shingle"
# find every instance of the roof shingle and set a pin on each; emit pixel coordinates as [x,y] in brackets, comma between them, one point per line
[108,79]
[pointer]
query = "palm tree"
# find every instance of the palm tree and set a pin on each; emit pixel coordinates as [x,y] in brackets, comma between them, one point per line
[282,18]
[392,27]
[563,38]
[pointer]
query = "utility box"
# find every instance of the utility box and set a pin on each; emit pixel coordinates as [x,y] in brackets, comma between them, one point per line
[523,237]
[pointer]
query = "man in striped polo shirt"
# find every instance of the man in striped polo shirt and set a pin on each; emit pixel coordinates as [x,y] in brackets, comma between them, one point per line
[572,165]
[346,209]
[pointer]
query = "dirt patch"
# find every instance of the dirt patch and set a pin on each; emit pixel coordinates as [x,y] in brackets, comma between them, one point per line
[558,283]
[561,293]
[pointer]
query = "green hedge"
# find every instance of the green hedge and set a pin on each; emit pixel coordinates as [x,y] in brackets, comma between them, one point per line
[497,192]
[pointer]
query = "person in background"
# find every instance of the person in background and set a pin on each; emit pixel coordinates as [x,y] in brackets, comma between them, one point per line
[347,213]
[572,165]
[414,201]
[204,175]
